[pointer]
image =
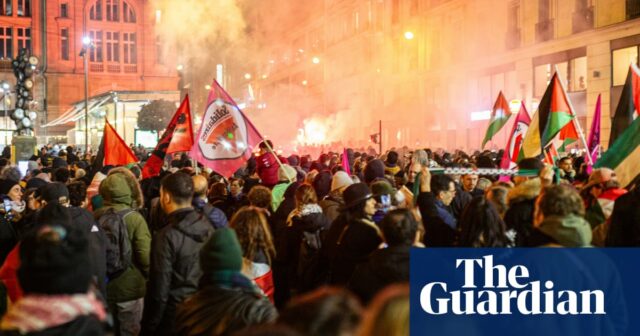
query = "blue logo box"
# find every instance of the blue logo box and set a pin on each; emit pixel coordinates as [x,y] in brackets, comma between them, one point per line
[542,291]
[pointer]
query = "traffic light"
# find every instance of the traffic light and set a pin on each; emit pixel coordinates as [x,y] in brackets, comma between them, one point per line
[23,68]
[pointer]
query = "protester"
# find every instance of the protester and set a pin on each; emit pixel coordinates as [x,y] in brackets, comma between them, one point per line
[226,300]
[482,226]
[600,195]
[175,270]
[216,216]
[332,203]
[267,164]
[436,194]
[522,198]
[286,176]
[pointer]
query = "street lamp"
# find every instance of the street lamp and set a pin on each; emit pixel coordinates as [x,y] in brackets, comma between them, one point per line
[86,44]
[408,35]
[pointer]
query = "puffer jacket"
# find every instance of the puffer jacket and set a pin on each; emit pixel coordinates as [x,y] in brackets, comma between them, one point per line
[130,285]
[175,269]
[519,216]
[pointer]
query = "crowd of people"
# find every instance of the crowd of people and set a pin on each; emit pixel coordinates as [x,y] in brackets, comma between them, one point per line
[286,246]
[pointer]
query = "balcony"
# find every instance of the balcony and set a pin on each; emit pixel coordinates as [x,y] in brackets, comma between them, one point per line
[582,20]
[544,30]
[513,38]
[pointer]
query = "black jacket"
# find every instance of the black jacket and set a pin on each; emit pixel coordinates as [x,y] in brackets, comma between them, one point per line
[84,325]
[519,216]
[8,238]
[97,245]
[175,269]
[460,201]
[384,267]
[215,310]
[357,240]
[437,232]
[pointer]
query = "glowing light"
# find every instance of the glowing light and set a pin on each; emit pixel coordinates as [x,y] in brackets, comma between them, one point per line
[514,105]
[304,82]
[264,76]
[226,144]
[301,50]
[180,67]
[241,145]
[207,87]
[408,35]
[242,106]
[481,115]
[86,40]
[158,16]
[313,132]
[315,60]
[271,61]
[247,76]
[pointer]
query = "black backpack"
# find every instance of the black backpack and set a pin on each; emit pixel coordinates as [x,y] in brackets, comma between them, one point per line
[118,243]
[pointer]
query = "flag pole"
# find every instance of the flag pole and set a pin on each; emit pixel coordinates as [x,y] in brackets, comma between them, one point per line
[380,137]
[575,117]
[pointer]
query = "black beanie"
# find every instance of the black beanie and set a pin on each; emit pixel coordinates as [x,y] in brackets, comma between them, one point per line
[54,259]
[6,185]
[221,253]
[373,170]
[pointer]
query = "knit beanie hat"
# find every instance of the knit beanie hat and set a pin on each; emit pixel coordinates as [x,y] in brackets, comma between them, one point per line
[221,253]
[373,170]
[6,185]
[382,187]
[340,179]
[286,173]
[54,259]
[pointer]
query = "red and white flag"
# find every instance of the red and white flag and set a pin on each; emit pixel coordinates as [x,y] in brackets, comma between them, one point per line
[514,145]
[226,137]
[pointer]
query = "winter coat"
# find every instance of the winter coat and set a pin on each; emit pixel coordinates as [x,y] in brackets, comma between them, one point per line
[331,205]
[8,238]
[277,194]
[97,245]
[216,217]
[460,201]
[130,285]
[267,168]
[221,310]
[175,269]
[567,231]
[357,240]
[278,226]
[306,229]
[437,221]
[382,268]
[519,216]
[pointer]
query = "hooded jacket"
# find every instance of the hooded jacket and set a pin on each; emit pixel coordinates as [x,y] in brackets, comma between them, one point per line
[567,231]
[130,285]
[267,168]
[519,216]
[175,268]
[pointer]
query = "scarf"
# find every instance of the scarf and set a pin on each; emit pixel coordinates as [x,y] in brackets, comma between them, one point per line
[34,313]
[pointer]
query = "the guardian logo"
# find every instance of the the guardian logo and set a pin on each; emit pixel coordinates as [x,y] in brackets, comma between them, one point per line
[511,291]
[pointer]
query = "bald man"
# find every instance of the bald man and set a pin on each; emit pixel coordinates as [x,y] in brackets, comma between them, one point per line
[216,217]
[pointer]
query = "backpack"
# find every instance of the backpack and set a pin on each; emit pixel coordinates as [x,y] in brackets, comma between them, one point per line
[310,272]
[118,245]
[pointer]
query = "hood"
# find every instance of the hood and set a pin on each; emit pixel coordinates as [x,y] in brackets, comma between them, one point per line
[115,190]
[569,231]
[525,191]
[191,224]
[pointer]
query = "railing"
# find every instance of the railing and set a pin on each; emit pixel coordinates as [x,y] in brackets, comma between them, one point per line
[113,68]
[544,30]
[131,68]
[96,67]
[99,67]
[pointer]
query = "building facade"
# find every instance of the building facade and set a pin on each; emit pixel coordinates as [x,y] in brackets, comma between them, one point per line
[124,56]
[431,69]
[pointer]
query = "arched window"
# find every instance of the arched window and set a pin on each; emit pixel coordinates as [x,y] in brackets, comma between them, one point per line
[114,36]
[127,13]
[95,13]
[110,11]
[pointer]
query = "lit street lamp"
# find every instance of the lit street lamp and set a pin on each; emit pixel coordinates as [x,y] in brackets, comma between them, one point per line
[6,89]
[86,44]
[408,35]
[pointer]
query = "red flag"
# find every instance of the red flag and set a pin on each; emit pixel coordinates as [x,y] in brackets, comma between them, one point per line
[226,137]
[116,151]
[519,129]
[178,137]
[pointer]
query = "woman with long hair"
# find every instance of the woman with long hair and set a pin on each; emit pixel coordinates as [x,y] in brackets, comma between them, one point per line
[480,225]
[258,251]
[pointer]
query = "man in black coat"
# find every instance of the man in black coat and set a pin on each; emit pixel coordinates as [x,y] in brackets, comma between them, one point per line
[436,194]
[175,269]
[389,265]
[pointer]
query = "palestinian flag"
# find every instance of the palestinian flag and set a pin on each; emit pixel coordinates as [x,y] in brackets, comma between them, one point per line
[514,145]
[627,105]
[553,122]
[499,117]
[624,155]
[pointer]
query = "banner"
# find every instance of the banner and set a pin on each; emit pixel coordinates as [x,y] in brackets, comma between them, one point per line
[226,136]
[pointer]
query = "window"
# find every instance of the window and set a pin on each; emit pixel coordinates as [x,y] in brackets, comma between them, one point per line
[96,11]
[127,13]
[159,51]
[577,74]
[64,10]
[7,7]
[112,10]
[544,13]
[6,42]
[24,38]
[622,58]
[541,75]
[96,51]
[64,44]
[129,47]
[112,40]
[24,7]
